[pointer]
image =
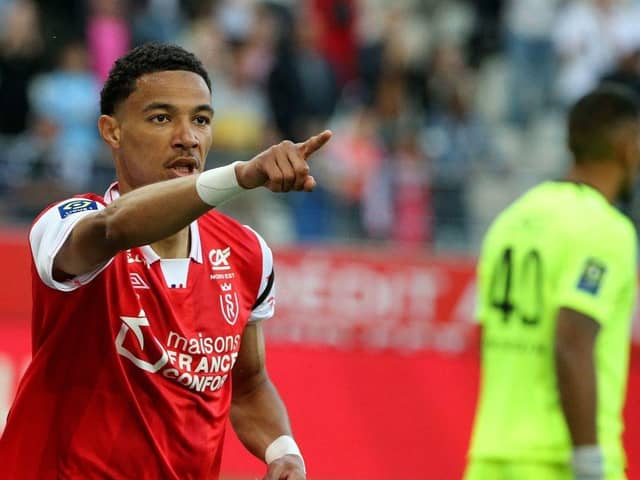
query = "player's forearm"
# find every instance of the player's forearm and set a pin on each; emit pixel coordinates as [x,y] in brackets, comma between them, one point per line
[259,417]
[578,394]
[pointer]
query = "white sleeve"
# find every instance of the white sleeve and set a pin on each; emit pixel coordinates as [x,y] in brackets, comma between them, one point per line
[264,307]
[49,233]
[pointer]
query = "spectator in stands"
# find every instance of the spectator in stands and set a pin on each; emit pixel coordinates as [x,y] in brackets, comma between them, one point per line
[241,105]
[157,21]
[357,155]
[21,48]
[588,37]
[108,34]
[62,21]
[396,203]
[530,55]
[67,100]
[457,140]
[485,39]
[337,20]
[389,45]
[20,59]
[412,203]
[300,71]
[626,70]
[206,40]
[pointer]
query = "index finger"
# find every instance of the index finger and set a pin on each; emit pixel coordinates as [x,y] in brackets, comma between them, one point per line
[314,143]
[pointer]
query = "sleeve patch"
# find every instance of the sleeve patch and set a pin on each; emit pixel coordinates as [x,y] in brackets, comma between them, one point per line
[591,277]
[76,206]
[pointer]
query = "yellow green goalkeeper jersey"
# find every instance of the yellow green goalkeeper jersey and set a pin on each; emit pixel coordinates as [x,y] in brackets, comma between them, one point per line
[559,245]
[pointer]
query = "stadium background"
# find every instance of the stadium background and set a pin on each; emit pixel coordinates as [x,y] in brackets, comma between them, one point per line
[443,112]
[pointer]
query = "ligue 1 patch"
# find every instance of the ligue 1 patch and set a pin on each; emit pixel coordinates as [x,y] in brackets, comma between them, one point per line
[76,206]
[591,277]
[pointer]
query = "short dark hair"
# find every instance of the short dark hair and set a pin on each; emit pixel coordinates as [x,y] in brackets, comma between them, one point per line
[594,118]
[147,58]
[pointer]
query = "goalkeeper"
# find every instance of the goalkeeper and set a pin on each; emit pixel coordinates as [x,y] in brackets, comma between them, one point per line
[557,283]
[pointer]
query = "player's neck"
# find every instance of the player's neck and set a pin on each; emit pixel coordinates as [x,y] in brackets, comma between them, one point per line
[598,175]
[175,246]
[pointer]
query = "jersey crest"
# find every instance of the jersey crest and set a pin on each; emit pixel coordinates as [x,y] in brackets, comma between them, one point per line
[591,277]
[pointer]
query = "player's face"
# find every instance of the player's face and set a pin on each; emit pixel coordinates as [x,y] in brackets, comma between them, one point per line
[164,129]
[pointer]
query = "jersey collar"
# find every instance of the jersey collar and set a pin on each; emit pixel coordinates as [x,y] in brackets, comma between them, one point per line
[150,255]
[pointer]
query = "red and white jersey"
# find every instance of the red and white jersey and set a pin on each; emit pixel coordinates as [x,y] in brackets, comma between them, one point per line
[130,377]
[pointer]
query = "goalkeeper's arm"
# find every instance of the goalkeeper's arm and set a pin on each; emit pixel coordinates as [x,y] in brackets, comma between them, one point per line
[577,384]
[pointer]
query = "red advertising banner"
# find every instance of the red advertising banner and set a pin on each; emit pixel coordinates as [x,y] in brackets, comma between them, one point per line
[375,299]
[374,352]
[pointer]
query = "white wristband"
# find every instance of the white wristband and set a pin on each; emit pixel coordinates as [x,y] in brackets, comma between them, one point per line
[218,185]
[587,461]
[281,446]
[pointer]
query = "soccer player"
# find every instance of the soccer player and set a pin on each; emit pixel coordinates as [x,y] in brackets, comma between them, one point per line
[557,283]
[147,303]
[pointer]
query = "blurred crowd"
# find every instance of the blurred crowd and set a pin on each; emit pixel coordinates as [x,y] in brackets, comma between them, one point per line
[442,110]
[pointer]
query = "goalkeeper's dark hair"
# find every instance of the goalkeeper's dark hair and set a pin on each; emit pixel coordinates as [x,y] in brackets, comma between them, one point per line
[147,58]
[596,117]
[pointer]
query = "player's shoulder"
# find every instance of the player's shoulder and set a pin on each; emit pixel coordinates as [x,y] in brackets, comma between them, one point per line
[620,225]
[590,220]
[596,219]
[613,232]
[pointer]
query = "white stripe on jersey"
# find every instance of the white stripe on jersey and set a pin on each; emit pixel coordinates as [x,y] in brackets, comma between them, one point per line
[266,309]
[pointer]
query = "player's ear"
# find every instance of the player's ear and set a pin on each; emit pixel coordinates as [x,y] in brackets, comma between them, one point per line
[622,147]
[631,147]
[109,128]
